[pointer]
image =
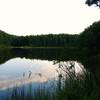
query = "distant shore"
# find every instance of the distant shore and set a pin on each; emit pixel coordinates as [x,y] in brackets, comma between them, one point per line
[30,47]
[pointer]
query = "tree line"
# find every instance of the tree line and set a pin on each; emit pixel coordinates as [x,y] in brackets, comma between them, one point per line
[89,38]
[50,40]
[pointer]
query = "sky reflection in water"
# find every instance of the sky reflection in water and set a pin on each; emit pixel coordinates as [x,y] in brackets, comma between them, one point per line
[19,71]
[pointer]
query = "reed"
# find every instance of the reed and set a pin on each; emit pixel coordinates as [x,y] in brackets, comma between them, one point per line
[66,88]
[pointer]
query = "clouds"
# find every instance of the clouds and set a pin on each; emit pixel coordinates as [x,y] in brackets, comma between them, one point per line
[23,17]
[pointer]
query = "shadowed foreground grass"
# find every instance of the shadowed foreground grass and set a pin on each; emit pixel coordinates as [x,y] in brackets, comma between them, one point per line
[67,88]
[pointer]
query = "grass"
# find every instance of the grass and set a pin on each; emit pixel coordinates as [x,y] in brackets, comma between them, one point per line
[67,88]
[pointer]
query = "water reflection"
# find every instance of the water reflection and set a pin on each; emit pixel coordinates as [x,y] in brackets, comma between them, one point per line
[32,67]
[43,54]
[21,70]
[70,69]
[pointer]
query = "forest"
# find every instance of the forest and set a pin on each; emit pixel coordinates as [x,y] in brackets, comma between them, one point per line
[89,38]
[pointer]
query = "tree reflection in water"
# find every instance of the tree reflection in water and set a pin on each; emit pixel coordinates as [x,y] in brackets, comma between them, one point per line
[69,70]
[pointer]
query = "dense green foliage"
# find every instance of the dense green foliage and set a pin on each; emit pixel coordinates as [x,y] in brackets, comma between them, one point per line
[50,40]
[5,39]
[89,38]
[45,40]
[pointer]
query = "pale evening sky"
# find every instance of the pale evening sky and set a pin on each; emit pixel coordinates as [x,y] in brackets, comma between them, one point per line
[25,17]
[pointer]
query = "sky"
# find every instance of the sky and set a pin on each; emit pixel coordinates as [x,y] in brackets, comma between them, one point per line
[32,17]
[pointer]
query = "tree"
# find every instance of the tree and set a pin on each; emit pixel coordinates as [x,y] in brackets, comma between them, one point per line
[90,37]
[91,2]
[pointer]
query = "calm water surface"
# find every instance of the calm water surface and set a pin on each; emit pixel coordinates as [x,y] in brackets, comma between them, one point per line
[20,68]
[19,71]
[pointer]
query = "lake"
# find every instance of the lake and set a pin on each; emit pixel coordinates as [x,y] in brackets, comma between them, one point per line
[38,68]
